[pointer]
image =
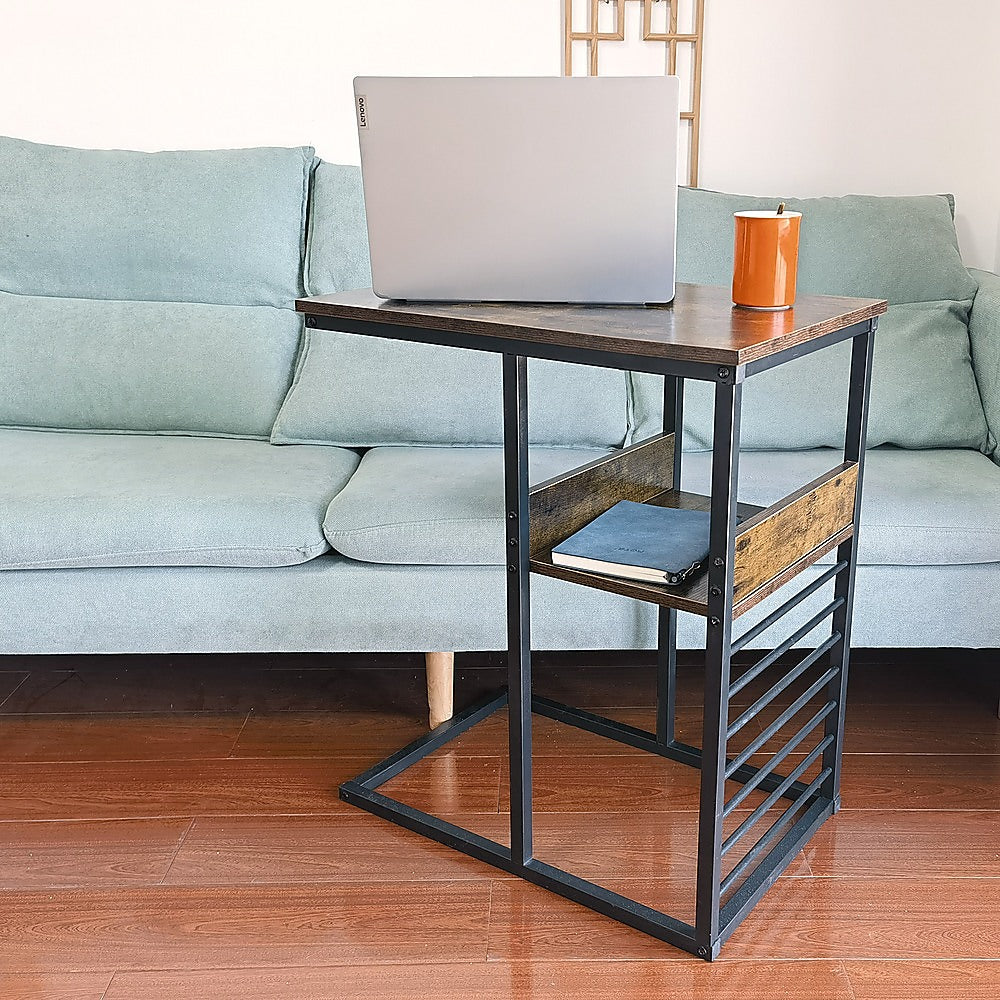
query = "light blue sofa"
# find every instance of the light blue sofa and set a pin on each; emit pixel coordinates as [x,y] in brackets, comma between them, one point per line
[184,468]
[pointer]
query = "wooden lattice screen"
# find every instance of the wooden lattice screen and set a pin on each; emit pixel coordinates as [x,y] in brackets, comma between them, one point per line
[678,25]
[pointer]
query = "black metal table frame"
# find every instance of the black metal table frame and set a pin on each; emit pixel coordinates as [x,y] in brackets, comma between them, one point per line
[810,803]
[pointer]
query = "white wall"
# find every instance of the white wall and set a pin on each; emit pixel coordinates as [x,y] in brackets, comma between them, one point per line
[800,96]
[816,97]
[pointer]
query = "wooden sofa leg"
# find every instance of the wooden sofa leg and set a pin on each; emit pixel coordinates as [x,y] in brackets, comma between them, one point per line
[440,686]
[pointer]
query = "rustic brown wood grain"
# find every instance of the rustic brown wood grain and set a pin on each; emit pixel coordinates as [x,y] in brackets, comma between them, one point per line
[563,505]
[701,325]
[783,534]
[691,596]
[791,571]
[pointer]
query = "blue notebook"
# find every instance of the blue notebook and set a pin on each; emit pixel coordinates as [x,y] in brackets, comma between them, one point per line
[640,542]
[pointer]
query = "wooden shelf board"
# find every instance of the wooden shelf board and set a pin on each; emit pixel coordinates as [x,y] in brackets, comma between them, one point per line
[691,597]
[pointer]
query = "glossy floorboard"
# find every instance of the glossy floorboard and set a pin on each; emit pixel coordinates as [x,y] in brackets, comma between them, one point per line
[169,827]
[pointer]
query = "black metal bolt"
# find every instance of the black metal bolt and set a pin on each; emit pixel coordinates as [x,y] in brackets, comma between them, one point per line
[512,568]
[724,373]
[702,952]
[310,320]
[718,562]
[715,622]
[513,541]
[716,591]
[512,515]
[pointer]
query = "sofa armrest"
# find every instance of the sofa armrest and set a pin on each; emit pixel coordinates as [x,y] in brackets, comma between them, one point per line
[984,333]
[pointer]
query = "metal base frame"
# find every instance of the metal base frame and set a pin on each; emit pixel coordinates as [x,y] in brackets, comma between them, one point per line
[363,791]
[721,901]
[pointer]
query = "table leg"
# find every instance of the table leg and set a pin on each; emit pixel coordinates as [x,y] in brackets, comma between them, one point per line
[725,478]
[666,637]
[720,903]
[515,418]
[854,451]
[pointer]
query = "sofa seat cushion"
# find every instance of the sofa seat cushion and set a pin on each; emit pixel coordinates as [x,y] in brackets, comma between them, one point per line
[90,500]
[433,506]
[919,508]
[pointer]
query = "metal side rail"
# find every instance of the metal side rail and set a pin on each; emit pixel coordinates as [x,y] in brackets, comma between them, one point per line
[363,792]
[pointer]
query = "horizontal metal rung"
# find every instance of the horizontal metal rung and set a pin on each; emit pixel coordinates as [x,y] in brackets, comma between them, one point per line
[777,860]
[758,668]
[786,682]
[783,719]
[762,809]
[779,613]
[764,771]
[758,848]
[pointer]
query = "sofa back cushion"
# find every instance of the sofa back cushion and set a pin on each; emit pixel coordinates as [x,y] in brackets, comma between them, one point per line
[219,225]
[149,292]
[361,391]
[144,367]
[924,393]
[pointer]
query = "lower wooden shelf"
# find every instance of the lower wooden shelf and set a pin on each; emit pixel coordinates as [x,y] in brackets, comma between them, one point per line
[691,596]
[773,544]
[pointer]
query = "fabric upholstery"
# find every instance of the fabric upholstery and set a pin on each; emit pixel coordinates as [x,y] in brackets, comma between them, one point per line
[362,391]
[432,505]
[337,605]
[85,500]
[149,292]
[223,226]
[900,249]
[154,367]
[919,508]
[894,607]
[337,257]
[924,392]
[446,505]
[984,331]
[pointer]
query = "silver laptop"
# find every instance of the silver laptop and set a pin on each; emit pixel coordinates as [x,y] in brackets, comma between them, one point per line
[520,189]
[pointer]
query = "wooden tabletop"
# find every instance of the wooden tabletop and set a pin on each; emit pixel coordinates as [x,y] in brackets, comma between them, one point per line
[701,325]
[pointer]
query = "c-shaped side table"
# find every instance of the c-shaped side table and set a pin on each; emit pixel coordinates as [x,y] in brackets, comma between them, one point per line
[753,552]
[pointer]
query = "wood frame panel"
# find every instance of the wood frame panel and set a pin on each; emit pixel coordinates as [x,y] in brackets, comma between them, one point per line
[786,534]
[563,505]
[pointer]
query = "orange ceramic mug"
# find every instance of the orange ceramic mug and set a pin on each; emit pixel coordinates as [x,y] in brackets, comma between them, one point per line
[766,259]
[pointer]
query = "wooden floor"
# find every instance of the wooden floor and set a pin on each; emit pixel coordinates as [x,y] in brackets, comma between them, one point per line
[171,828]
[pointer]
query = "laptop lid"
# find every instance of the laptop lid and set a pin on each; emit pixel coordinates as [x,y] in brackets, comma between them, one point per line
[522,189]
